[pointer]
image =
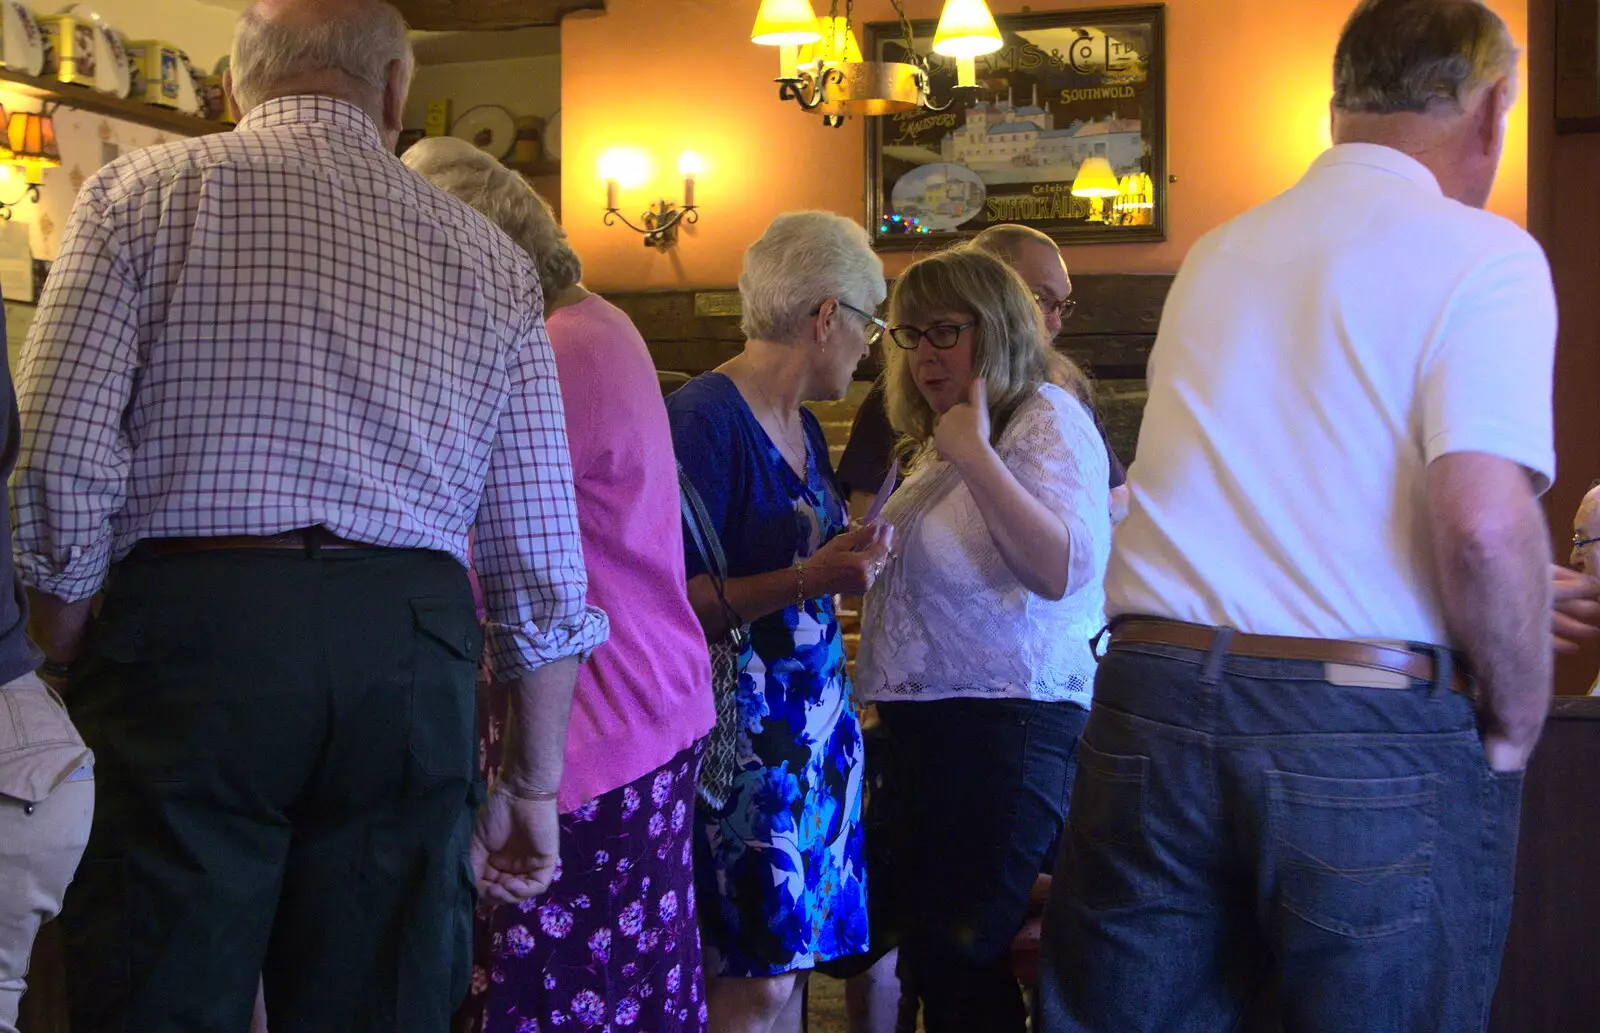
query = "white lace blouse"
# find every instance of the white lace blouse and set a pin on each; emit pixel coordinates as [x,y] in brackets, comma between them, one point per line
[947,618]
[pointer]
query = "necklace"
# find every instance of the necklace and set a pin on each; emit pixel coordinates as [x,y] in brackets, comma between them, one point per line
[794,455]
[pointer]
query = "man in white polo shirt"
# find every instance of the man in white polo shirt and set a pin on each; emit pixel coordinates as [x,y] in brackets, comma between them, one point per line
[1330,653]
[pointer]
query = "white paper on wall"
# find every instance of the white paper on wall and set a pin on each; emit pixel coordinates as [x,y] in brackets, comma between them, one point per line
[16,262]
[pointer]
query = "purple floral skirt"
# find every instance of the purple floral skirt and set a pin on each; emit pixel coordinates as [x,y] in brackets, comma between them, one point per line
[613,946]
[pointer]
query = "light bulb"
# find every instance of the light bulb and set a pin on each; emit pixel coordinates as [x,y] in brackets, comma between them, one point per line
[626,166]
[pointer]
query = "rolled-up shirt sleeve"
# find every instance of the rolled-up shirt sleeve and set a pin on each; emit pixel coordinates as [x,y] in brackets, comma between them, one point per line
[75,382]
[527,549]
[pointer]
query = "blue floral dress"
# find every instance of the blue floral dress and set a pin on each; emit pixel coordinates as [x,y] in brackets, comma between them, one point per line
[782,884]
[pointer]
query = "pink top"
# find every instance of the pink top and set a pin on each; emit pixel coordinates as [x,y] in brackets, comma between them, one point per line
[646,694]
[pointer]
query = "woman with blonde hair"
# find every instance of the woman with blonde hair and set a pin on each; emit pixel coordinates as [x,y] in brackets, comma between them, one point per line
[614,942]
[975,639]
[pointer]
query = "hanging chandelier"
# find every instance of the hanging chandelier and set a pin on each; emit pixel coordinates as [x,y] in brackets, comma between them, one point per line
[822,70]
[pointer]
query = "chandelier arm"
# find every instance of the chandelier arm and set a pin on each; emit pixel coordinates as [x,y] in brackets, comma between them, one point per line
[908,36]
[791,89]
[925,90]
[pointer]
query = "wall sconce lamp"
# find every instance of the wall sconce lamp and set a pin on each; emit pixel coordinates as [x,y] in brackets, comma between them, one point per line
[622,166]
[31,145]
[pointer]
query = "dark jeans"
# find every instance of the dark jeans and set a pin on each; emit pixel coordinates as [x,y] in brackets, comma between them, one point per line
[977,793]
[286,773]
[1244,827]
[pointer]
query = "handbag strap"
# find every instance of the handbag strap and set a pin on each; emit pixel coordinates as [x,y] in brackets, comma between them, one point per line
[704,535]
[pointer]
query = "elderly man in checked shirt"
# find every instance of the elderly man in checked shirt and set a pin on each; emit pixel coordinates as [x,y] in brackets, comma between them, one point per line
[274,380]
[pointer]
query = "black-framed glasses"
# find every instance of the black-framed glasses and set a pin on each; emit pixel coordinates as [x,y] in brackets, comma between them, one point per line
[1064,307]
[1579,541]
[876,327]
[942,336]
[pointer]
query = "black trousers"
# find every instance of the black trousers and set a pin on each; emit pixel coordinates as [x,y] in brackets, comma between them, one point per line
[977,793]
[287,779]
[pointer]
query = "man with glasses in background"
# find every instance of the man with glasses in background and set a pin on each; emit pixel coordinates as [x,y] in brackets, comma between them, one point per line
[1577,613]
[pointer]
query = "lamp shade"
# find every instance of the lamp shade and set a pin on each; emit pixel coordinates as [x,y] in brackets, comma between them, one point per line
[966,29]
[837,45]
[785,23]
[1096,178]
[31,139]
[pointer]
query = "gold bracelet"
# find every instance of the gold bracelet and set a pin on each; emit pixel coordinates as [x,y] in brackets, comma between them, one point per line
[528,795]
[800,584]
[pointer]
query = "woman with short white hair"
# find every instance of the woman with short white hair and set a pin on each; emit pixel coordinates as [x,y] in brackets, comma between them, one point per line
[780,869]
[614,941]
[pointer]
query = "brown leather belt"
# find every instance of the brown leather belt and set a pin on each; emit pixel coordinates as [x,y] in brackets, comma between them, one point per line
[1419,666]
[304,539]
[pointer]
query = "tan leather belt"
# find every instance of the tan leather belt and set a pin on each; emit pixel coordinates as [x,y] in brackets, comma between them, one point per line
[1411,664]
[304,539]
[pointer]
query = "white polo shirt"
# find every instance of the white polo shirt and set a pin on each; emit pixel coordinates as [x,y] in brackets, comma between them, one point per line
[1315,355]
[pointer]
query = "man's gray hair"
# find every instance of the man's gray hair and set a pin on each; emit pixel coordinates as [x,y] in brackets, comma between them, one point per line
[1410,55]
[802,260]
[505,199]
[270,54]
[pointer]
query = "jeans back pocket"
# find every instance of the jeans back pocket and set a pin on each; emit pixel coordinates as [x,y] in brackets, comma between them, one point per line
[1353,856]
[1113,865]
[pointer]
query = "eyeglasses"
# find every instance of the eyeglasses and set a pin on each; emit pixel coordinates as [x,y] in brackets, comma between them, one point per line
[876,327]
[1064,307]
[943,336]
[1578,541]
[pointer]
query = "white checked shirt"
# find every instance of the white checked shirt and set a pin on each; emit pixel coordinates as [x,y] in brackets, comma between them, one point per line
[282,327]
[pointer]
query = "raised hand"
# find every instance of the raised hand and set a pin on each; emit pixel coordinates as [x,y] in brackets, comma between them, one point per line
[962,433]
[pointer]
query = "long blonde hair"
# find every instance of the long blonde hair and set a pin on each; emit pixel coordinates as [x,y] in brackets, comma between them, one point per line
[1010,346]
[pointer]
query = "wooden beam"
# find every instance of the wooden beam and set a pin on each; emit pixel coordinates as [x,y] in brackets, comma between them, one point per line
[466,15]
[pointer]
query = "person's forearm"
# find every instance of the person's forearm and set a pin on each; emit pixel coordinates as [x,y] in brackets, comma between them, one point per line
[1032,540]
[536,727]
[1495,586]
[751,598]
[58,627]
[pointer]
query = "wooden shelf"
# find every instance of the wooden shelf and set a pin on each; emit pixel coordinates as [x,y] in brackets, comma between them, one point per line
[85,99]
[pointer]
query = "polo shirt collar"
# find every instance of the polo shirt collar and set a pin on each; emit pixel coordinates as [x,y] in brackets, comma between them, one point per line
[1384,159]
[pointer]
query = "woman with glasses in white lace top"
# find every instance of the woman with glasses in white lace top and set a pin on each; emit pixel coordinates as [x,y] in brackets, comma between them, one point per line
[975,639]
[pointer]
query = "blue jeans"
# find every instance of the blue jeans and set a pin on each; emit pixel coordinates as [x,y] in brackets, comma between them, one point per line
[977,792]
[1243,827]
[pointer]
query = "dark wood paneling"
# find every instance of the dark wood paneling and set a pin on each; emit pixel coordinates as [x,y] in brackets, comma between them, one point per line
[1577,67]
[1121,405]
[1120,356]
[1117,303]
[1110,334]
[1548,982]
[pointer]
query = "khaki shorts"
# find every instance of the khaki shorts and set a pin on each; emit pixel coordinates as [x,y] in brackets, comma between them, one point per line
[46,806]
